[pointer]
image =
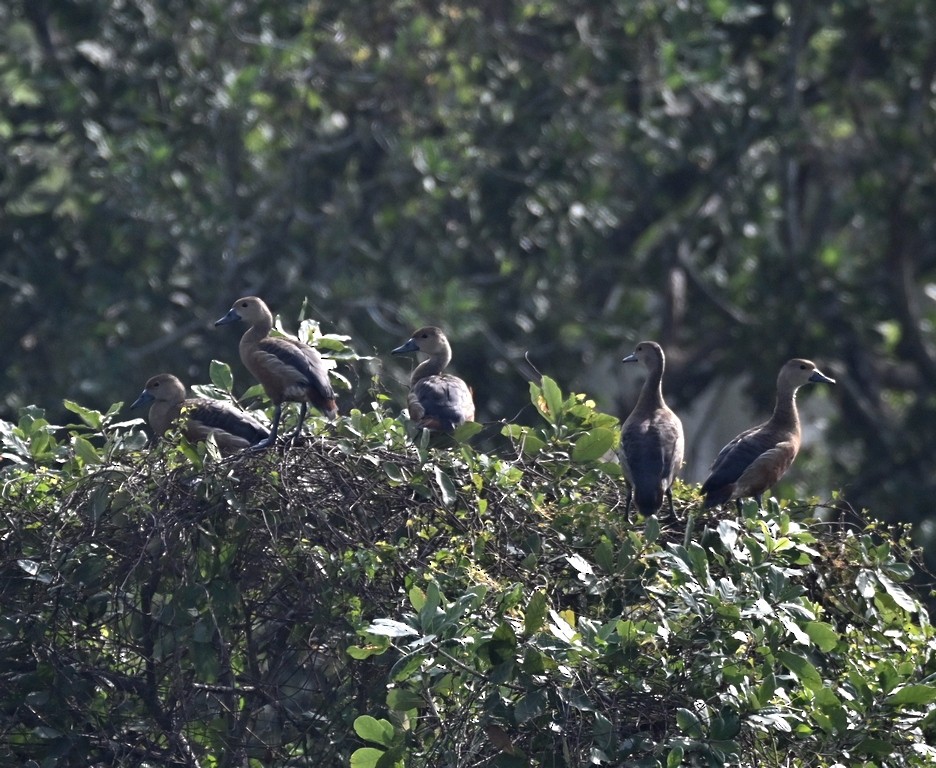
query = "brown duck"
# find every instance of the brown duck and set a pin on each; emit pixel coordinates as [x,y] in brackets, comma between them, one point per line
[288,369]
[233,430]
[757,458]
[436,400]
[652,441]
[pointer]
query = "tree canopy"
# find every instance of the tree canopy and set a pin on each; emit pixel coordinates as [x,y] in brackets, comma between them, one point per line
[550,182]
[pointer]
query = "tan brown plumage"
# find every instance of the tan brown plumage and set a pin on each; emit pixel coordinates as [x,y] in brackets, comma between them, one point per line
[289,370]
[233,430]
[652,441]
[436,400]
[757,458]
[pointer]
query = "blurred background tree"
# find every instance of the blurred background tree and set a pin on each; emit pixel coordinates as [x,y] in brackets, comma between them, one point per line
[550,182]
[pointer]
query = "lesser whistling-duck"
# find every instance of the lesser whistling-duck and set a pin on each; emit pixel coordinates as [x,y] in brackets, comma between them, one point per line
[233,430]
[288,369]
[652,441]
[757,458]
[436,400]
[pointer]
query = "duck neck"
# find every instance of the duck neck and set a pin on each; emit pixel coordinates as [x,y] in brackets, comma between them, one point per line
[651,393]
[432,366]
[260,329]
[163,413]
[785,413]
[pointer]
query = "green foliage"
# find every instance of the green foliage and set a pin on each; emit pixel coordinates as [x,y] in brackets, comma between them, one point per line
[362,599]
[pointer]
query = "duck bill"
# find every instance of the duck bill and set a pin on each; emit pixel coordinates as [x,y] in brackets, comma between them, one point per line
[230,317]
[403,349]
[818,376]
[144,399]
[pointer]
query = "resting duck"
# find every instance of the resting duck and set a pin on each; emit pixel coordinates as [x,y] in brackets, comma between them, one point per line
[287,368]
[436,400]
[757,458]
[652,441]
[233,430]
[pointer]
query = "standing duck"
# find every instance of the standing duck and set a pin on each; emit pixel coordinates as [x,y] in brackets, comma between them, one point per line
[757,458]
[652,441]
[287,368]
[436,400]
[233,430]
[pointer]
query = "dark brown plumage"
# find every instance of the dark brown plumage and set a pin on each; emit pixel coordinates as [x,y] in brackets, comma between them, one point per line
[287,368]
[757,458]
[436,400]
[652,441]
[233,430]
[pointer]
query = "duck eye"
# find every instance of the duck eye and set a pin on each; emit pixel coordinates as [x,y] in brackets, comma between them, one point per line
[244,304]
[803,367]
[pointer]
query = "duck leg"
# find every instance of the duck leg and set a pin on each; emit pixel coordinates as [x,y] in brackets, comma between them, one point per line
[302,416]
[274,429]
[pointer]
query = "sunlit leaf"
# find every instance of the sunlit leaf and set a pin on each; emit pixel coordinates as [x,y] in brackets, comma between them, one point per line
[802,668]
[220,375]
[89,416]
[391,628]
[366,757]
[593,445]
[374,730]
[913,694]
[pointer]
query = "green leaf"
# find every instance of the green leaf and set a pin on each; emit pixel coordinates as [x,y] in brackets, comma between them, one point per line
[401,700]
[875,747]
[364,652]
[530,705]
[464,432]
[593,445]
[535,615]
[822,635]
[674,758]
[417,598]
[85,451]
[449,496]
[802,668]
[371,729]
[502,645]
[89,416]
[531,444]
[547,397]
[220,375]
[913,694]
[898,593]
[688,723]
[652,529]
[394,472]
[366,757]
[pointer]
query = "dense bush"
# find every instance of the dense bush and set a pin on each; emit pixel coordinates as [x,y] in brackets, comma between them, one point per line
[365,597]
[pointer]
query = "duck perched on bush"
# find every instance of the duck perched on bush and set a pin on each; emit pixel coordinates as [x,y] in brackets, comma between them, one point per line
[757,458]
[288,369]
[652,442]
[233,430]
[436,400]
